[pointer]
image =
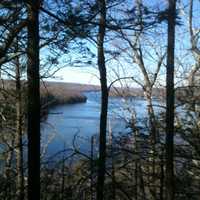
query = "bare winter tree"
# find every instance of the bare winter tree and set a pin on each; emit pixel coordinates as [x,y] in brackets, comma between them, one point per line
[9,28]
[170,102]
[104,100]
[19,127]
[139,49]
[194,40]
[33,101]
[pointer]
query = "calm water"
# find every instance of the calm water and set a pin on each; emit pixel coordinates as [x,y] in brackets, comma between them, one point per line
[82,120]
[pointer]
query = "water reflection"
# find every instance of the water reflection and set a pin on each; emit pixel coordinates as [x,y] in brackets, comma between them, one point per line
[82,119]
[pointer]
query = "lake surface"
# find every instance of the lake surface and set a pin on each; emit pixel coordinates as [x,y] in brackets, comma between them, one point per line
[82,120]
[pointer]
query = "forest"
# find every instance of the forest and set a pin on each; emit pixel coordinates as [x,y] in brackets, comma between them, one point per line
[146,57]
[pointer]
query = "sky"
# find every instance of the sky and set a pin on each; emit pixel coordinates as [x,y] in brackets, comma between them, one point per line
[89,75]
[76,75]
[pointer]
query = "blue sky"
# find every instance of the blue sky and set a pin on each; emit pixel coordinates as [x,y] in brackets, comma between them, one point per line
[89,75]
[77,75]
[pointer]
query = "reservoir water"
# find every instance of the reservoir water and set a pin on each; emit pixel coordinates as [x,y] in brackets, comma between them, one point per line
[64,122]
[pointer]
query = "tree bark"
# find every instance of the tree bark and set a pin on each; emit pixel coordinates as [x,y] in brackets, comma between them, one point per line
[8,170]
[92,168]
[104,101]
[151,114]
[113,191]
[170,102]
[196,54]
[33,101]
[18,139]
[162,176]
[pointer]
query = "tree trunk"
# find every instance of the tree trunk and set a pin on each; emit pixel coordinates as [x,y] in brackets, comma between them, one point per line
[92,168]
[162,174]
[33,101]
[18,139]
[8,171]
[104,101]
[170,102]
[154,138]
[113,191]
[196,54]
[152,120]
